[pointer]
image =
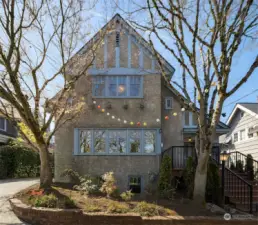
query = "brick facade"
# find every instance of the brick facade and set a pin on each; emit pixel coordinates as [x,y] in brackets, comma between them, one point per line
[44,216]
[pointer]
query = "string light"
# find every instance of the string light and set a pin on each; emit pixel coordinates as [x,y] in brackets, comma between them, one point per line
[175,114]
[166,118]
[131,123]
[125,121]
[145,124]
[138,124]
[183,109]
[94,102]
[108,114]
[118,119]
[99,106]
[102,110]
[113,117]
[158,120]
[206,90]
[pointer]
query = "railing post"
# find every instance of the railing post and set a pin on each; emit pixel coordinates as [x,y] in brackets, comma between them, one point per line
[251,199]
[223,182]
[172,154]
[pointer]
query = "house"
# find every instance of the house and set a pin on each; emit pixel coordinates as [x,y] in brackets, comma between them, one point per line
[243,134]
[7,130]
[131,113]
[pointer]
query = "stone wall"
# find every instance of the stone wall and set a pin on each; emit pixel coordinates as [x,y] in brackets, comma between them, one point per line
[45,216]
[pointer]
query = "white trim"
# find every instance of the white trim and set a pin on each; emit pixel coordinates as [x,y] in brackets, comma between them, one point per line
[129,51]
[121,71]
[141,61]
[239,106]
[117,57]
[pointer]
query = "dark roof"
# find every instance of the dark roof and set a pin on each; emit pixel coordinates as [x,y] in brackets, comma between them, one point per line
[251,106]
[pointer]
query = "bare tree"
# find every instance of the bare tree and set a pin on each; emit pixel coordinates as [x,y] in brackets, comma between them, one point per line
[37,41]
[205,37]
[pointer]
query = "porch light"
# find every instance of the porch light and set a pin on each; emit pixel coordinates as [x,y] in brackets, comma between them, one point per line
[224,156]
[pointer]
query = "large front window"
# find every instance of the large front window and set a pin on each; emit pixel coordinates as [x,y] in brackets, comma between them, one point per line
[117,86]
[117,141]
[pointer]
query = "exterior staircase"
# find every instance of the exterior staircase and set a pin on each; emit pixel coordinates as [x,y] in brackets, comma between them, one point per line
[241,188]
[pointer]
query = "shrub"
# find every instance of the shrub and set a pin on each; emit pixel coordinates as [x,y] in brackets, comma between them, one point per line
[18,161]
[249,167]
[165,177]
[48,201]
[127,195]
[69,203]
[116,207]
[86,184]
[239,166]
[213,183]
[232,166]
[146,209]
[188,175]
[109,185]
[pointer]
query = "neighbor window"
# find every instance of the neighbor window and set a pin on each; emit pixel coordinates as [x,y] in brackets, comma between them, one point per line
[235,137]
[242,135]
[117,141]
[168,103]
[2,124]
[250,132]
[135,184]
[117,86]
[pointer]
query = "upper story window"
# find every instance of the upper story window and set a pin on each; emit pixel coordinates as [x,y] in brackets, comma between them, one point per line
[190,119]
[3,124]
[242,135]
[242,114]
[118,86]
[250,132]
[168,103]
[235,137]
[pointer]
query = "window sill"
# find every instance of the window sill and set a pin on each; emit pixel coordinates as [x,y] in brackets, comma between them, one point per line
[117,97]
[125,154]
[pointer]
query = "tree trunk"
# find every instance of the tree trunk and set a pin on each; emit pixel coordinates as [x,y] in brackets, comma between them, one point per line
[201,177]
[45,169]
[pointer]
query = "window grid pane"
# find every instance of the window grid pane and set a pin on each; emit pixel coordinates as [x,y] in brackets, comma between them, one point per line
[112,86]
[85,141]
[135,85]
[99,86]
[149,141]
[121,86]
[135,141]
[99,141]
[117,141]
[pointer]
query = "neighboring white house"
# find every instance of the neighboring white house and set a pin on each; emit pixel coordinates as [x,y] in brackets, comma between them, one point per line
[243,135]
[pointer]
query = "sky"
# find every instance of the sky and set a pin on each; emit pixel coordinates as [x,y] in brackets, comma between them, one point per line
[248,92]
[106,9]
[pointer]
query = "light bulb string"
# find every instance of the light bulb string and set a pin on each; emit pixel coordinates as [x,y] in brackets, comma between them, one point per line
[131,122]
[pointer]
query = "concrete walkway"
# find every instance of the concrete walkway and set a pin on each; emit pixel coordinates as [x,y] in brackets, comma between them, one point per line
[7,189]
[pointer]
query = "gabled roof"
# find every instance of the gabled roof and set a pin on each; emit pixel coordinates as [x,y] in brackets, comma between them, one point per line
[248,107]
[133,32]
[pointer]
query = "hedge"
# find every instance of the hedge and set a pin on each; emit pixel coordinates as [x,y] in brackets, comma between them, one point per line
[18,161]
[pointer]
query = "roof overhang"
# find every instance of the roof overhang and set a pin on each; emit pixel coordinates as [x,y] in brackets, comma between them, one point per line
[240,107]
[194,130]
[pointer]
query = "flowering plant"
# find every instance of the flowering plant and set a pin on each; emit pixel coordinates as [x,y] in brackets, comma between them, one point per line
[37,192]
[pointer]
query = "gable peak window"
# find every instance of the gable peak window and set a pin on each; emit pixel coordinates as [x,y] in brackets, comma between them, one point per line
[117,39]
[168,103]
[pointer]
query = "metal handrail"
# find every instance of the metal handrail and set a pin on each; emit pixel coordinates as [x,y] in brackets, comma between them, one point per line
[238,192]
